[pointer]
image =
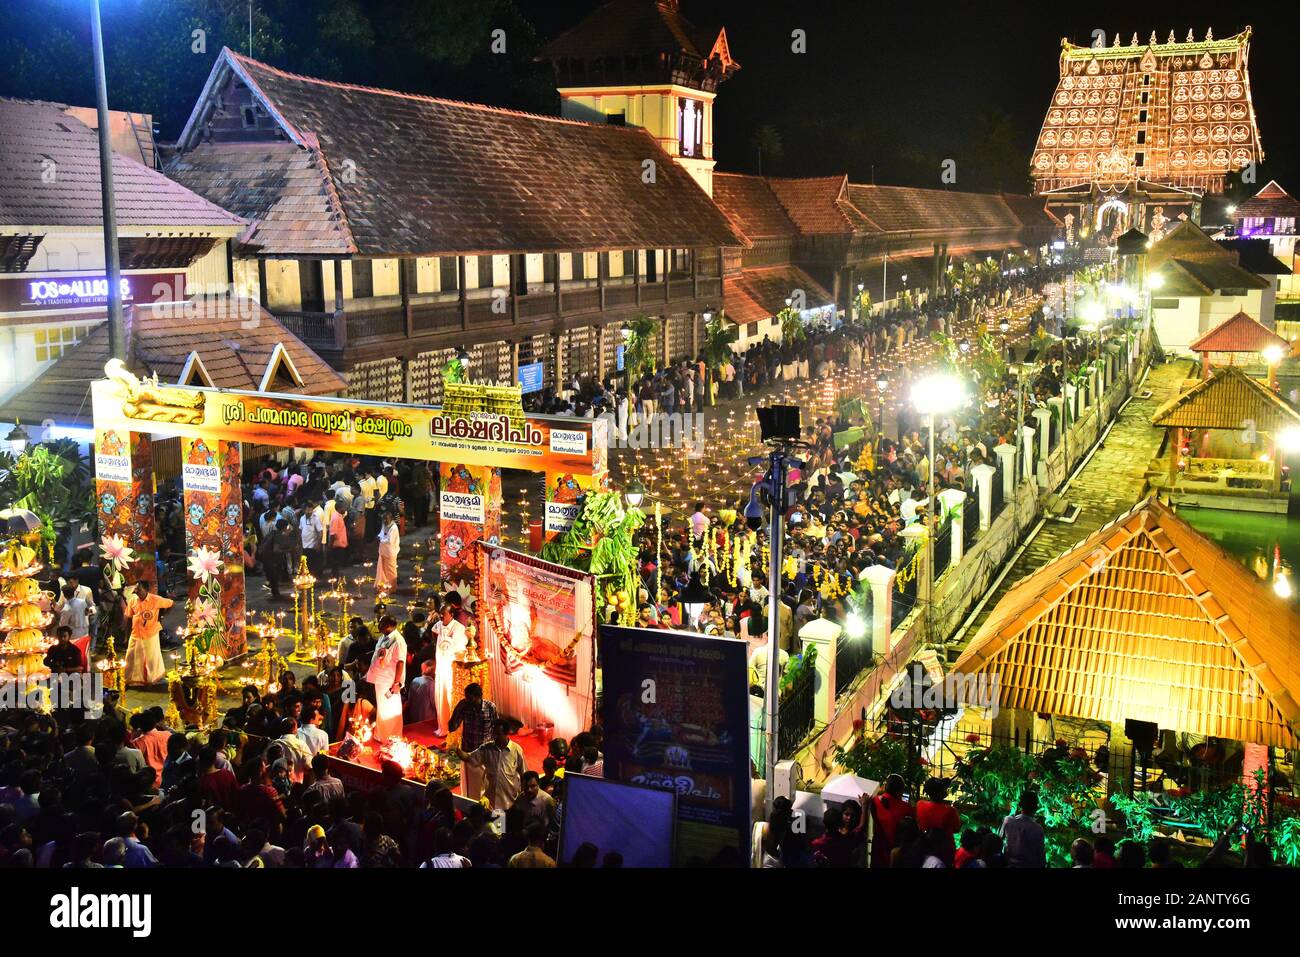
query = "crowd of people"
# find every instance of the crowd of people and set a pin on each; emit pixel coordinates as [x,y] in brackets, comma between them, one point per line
[122,790]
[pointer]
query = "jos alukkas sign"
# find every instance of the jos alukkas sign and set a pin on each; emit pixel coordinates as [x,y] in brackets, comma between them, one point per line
[81,291]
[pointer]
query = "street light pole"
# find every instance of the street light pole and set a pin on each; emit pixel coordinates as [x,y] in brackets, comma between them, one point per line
[929,546]
[112,265]
[777,463]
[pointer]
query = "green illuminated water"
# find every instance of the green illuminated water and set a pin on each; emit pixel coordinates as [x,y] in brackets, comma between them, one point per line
[1264,543]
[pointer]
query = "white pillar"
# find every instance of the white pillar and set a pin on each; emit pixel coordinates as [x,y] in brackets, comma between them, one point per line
[881,580]
[954,501]
[824,635]
[1044,417]
[1072,394]
[1058,405]
[1027,434]
[983,475]
[1006,452]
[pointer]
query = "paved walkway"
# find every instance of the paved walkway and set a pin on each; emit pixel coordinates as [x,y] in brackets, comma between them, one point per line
[1110,484]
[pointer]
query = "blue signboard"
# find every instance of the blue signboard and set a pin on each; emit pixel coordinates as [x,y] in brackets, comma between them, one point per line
[618,358]
[677,717]
[530,377]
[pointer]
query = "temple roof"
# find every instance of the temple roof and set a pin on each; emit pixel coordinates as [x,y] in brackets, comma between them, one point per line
[419,176]
[38,139]
[232,341]
[633,27]
[1240,333]
[1150,620]
[1227,400]
[1193,264]
[760,292]
[1271,202]
[751,206]
[821,205]
[1189,99]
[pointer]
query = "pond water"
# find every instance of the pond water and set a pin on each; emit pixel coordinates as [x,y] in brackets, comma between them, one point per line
[1266,544]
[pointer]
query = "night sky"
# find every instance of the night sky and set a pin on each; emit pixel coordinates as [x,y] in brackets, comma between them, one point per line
[902,86]
[885,91]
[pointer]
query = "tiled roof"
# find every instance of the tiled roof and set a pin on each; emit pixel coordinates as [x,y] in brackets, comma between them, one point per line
[820,205]
[1031,211]
[1241,333]
[1193,264]
[234,351]
[417,175]
[1256,256]
[752,207]
[898,208]
[760,293]
[1150,620]
[631,28]
[1227,400]
[51,178]
[283,189]
[1271,202]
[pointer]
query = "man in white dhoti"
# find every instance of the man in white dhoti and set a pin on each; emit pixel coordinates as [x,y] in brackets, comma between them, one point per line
[390,542]
[451,640]
[144,660]
[388,674]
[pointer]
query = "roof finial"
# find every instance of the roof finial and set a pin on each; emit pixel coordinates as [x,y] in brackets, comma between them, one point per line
[1134,41]
[1116,43]
[1171,37]
[1209,34]
[1191,37]
[1154,40]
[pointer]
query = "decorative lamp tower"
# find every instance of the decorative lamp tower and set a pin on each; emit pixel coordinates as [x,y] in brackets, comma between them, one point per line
[22,622]
[641,63]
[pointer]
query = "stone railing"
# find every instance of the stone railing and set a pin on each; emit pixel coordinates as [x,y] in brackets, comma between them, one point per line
[969,572]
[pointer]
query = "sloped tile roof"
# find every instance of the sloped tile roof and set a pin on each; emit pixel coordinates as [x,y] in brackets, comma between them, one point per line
[760,292]
[415,175]
[35,134]
[234,351]
[1271,202]
[631,28]
[283,189]
[1240,333]
[1227,400]
[1031,211]
[751,206]
[1150,620]
[897,208]
[1255,255]
[820,205]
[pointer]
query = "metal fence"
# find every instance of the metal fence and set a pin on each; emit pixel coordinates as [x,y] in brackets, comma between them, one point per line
[905,595]
[797,712]
[942,549]
[970,520]
[852,657]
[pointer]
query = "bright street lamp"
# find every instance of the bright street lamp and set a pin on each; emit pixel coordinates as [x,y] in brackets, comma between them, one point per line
[18,439]
[932,396]
[1288,440]
[634,494]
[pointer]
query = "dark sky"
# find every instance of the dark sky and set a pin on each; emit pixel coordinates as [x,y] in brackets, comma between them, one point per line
[900,86]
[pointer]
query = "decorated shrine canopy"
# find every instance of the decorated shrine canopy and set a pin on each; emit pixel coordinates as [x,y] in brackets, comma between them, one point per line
[1150,620]
[535,443]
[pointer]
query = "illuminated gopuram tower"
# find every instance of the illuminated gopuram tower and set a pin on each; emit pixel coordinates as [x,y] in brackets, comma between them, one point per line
[1138,134]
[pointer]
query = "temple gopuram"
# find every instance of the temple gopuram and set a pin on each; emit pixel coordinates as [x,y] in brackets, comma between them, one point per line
[1138,134]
